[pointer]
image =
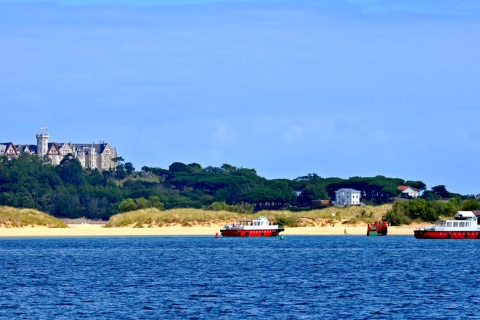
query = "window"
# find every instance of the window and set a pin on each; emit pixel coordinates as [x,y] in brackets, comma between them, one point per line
[455,224]
[461,224]
[449,224]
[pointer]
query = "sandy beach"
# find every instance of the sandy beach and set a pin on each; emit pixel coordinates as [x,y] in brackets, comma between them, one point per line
[98,230]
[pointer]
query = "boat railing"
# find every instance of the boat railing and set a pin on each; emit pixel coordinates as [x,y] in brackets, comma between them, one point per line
[233,227]
[243,227]
[425,228]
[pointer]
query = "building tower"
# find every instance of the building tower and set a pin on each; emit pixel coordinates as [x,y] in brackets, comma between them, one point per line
[42,143]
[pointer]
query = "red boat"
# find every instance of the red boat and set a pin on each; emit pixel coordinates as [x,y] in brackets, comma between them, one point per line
[464,226]
[378,228]
[259,227]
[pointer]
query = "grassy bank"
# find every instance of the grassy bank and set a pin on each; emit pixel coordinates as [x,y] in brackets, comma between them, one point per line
[14,218]
[156,218]
[190,217]
[351,215]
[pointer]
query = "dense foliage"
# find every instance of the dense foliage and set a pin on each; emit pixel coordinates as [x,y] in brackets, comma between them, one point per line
[69,191]
[424,210]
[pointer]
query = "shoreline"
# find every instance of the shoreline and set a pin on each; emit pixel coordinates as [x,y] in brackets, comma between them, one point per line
[97,230]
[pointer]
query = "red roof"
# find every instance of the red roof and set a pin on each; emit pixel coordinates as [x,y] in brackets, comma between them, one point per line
[402,188]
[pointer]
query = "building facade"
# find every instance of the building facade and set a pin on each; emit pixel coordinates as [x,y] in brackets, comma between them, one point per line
[408,192]
[347,197]
[91,155]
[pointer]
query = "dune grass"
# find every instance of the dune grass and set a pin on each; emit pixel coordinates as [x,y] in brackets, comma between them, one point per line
[15,218]
[189,217]
[153,217]
[348,215]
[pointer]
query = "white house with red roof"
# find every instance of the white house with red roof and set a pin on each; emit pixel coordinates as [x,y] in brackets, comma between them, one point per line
[408,192]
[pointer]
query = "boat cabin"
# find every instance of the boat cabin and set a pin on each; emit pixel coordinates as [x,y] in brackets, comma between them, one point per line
[463,221]
[258,223]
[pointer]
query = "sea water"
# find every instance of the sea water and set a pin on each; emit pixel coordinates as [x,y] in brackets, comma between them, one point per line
[300,277]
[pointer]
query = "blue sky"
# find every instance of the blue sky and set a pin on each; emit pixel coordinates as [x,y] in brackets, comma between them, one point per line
[337,88]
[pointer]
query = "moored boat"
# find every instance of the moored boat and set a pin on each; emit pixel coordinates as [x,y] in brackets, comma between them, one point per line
[378,228]
[259,227]
[463,226]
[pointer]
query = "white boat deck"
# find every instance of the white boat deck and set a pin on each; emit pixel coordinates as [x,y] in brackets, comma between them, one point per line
[261,223]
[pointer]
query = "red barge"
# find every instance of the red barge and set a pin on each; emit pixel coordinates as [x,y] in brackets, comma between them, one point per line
[259,227]
[378,228]
[464,226]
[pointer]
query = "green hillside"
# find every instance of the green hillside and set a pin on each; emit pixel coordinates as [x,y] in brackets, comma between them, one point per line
[69,191]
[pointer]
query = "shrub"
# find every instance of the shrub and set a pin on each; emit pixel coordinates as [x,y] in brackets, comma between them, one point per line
[363,214]
[130,204]
[242,207]
[396,218]
[284,221]
[470,204]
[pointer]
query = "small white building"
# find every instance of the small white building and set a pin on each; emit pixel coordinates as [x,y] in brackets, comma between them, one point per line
[408,192]
[346,196]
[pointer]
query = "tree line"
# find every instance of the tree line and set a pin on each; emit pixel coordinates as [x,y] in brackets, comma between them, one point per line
[69,191]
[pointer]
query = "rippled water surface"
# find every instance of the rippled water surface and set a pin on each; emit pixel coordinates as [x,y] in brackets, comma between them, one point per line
[321,277]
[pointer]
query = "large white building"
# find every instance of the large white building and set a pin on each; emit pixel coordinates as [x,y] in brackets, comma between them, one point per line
[347,197]
[91,155]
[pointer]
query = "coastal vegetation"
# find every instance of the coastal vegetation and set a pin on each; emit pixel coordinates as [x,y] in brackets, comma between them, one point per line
[69,191]
[153,217]
[14,218]
[406,212]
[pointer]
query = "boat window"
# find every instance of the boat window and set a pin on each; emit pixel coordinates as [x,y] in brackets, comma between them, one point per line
[449,223]
[440,223]
[461,224]
[455,224]
[467,224]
